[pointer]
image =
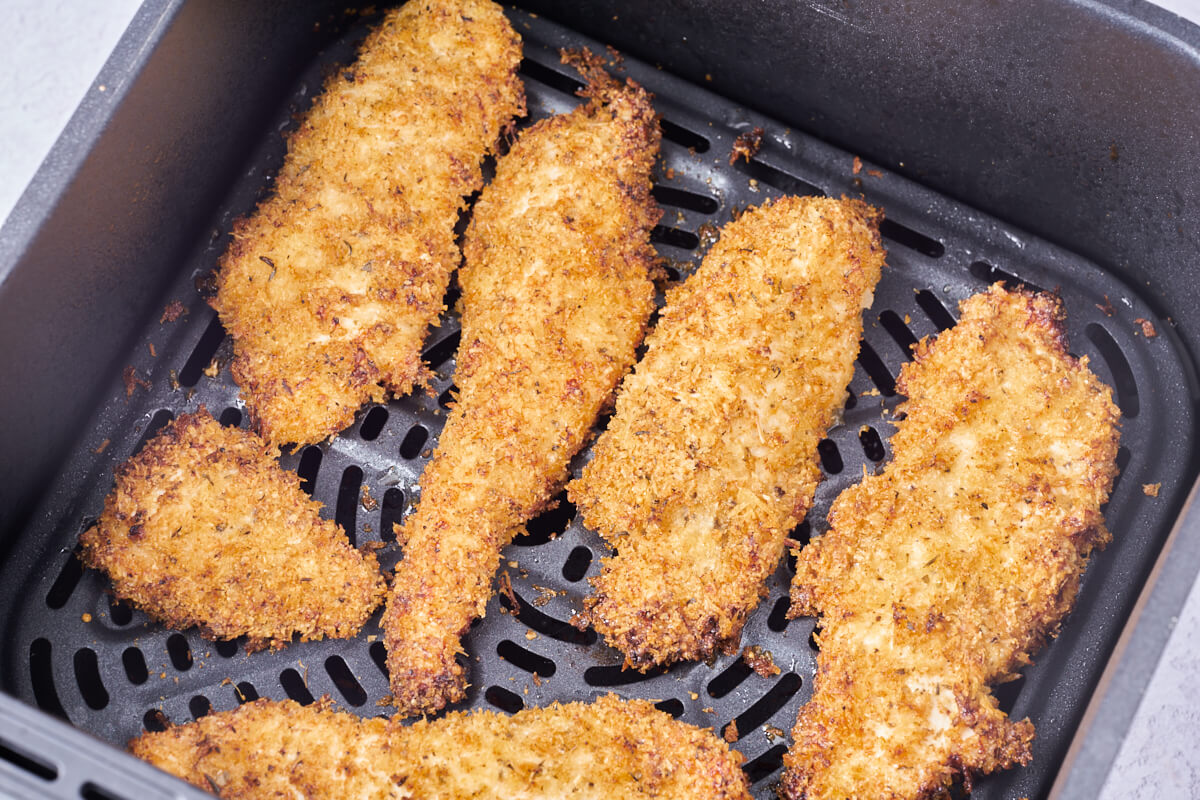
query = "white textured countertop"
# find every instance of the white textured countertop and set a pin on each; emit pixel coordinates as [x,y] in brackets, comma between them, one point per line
[52,50]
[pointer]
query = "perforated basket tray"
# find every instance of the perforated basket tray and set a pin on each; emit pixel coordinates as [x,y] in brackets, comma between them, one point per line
[76,654]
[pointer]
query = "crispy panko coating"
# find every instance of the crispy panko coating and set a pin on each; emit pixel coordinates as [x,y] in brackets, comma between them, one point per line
[609,748]
[944,572]
[205,528]
[556,297]
[329,286]
[711,458]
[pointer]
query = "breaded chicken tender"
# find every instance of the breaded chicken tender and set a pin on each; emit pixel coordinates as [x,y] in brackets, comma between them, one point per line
[556,297]
[711,458]
[328,288]
[943,573]
[205,528]
[606,749]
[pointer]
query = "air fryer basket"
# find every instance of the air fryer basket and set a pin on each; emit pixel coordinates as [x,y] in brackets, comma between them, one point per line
[78,655]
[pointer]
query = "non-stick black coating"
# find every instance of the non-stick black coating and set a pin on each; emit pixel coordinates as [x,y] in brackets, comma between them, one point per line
[940,252]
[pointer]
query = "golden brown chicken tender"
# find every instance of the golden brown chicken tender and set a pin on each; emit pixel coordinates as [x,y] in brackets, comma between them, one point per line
[606,749]
[944,572]
[328,288]
[205,528]
[711,458]
[556,296]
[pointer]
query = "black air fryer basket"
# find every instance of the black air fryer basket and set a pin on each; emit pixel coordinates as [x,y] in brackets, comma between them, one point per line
[1047,145]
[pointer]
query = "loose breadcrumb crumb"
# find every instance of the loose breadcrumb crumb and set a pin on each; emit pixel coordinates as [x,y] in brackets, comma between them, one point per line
[746,145]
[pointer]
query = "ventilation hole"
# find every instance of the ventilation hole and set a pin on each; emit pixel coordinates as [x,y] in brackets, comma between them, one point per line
[414,440]
[446,398]
[551,77]
[453,290]
[872,445]
[295,686]
[814,643]
[245,692]
[876,370]
[851,400]
[87,678]
[226,648]
[372,424]
[990,274]
[155,721]
[730,679]
[550,524]
[310,465]
[503,699]
[90,791]
[41,675]
[378,653]
[938,314]
[680,198]
[1122,375]
[202,356]
[771,176]
[764,765]
[673,274]
[199,706]
[156,424]
[651,323]
[778,620]
[775,698]
[671,706]
[135,666]
[440,352]
[65,583]
[391,514]
[546,625]
[675,237]
[488,171]
[1007,693]
[231,417]
[614,675]
[1123,457]
[901,335]
[180,653]
[120,612]
[802,534]
[345,681]
[683,137]
[831,459]
[577,564]
[902,234]
[346,512]
[13,754]
[391,511]
[526,660]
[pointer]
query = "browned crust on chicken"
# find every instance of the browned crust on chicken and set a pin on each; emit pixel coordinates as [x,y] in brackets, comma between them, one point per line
[328,288]
[711,457]
[272,749]
[205,528]
[556,296]
[943,573]
[605,749]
